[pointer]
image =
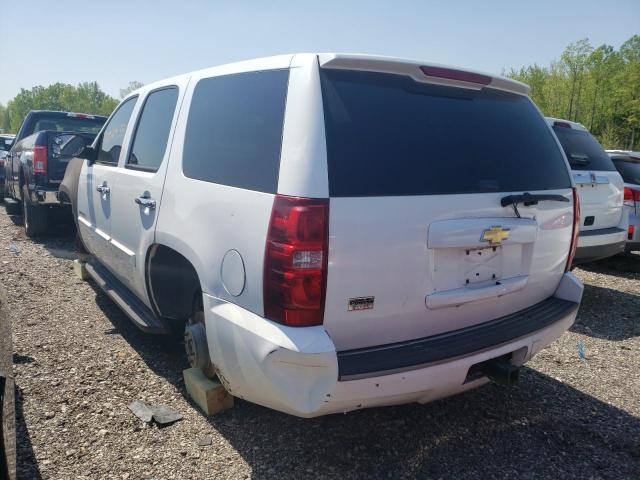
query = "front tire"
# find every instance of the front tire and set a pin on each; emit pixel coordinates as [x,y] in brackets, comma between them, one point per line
[34,217]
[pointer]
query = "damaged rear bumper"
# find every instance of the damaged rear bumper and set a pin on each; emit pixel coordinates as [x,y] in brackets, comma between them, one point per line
[298,371]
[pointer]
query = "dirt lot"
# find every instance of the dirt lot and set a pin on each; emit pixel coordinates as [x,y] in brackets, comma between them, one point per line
[79,363]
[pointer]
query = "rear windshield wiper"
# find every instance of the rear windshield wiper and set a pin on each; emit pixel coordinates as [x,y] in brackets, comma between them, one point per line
[529,199]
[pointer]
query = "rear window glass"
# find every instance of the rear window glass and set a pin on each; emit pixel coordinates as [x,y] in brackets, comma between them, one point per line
[234,130]
[389,135]
[583,150]
[629,170]
[69,124]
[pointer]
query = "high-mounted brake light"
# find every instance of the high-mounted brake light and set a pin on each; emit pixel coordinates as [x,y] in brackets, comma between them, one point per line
[562,124]
[451,74]
[40,159]
[80,115]
[295,269]
[575,229]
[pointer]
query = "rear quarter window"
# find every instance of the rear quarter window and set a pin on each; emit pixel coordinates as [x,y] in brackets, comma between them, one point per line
[234,130]
[390,135]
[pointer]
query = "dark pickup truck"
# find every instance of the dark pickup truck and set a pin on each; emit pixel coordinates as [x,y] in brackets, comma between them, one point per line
[35,165]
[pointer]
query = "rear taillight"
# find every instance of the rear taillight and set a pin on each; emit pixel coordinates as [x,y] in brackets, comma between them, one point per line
[631,231]
[295,269]
[631,196]
[575,229]
[40,159]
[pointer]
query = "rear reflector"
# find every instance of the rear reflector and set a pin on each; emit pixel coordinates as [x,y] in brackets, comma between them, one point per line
[562,124]
[295,269]
[575,230]
[39,159]
[452,74]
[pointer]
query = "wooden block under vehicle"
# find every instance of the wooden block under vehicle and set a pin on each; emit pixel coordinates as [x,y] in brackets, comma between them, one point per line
[208,393]
[80,270]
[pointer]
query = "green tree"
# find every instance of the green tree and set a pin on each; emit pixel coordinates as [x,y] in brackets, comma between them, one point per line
[133,85]
[599,88]
[85,98]
[629,92]
[575,58]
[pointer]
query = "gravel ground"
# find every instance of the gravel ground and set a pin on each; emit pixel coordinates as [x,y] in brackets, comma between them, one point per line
[80,362]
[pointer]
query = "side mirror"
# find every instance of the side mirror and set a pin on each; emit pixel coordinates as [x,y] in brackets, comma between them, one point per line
[72,146]
[76,146]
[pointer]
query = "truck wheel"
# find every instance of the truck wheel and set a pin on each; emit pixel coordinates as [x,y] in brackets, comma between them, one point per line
[34,217]
[195,340]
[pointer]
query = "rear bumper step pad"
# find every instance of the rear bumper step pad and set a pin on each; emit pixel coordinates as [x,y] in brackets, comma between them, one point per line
[423,351]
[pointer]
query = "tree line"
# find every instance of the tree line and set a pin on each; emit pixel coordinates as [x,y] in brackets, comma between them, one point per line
[598,87]
[86,97]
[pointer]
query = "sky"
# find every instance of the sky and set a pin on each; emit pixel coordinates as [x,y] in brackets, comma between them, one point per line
[115,41]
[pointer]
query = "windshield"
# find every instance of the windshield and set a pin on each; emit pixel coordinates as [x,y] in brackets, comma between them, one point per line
[68,124]
[583,150]
[389,135]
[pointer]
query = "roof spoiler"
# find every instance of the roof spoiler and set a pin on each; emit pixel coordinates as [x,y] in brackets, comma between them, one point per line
[422,72]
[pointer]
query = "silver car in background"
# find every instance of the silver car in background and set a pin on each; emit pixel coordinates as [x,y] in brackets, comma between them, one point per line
[628,164]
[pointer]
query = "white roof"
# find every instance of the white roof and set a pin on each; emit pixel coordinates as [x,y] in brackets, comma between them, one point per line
[630,153]
[352,61]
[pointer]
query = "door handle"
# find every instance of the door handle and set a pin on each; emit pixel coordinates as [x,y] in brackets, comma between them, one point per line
[146,202]
[103,189]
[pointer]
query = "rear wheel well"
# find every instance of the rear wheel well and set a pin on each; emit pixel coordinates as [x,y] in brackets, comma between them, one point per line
[173,283]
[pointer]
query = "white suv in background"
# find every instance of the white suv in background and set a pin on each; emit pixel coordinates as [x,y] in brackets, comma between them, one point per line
[628,164]
[337,231]
[603,222]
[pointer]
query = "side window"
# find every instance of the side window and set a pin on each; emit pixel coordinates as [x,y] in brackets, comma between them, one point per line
[113,135]
[234,130]
[152,132]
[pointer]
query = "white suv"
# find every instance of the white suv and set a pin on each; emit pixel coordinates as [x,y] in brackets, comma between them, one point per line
[338,231]
[603,222]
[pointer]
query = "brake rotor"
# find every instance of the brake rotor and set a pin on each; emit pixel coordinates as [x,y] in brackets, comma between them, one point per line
[196,346]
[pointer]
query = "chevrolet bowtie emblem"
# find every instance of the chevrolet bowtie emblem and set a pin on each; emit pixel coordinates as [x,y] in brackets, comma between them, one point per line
[495,235]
